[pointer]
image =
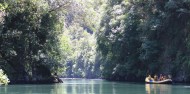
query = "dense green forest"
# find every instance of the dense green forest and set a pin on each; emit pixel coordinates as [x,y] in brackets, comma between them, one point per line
[40,38]
[140,37]
[29,44]
[111,39]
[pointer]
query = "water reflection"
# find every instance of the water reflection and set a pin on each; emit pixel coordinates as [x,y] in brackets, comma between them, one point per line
[85,86]
[158,89]
[82,86]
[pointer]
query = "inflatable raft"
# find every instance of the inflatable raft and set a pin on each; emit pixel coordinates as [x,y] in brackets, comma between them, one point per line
[167,81]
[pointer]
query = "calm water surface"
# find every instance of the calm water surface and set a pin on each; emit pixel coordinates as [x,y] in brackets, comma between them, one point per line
[84,86]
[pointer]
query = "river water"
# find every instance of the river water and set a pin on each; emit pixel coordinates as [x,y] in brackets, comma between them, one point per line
[95,86]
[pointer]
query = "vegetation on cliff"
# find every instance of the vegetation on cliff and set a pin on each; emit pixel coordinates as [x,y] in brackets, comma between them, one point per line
[29,44]
[139,37]
[111,39]
[4,80]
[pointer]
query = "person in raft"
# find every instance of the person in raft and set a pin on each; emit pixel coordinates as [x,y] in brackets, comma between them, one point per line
[155,78]
[149,79]
[161,77]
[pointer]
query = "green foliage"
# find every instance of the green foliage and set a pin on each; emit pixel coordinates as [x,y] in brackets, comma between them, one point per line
[3,6]
[133,37]
[80,54]
[3,78]
[81,23]
[140,37]
[29,40]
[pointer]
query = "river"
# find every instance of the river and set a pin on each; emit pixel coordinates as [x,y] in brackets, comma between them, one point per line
[94,86]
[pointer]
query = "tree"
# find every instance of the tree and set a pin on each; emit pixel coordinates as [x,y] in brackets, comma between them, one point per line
[81,23]
[3,78]
[29,40]
[142,37]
